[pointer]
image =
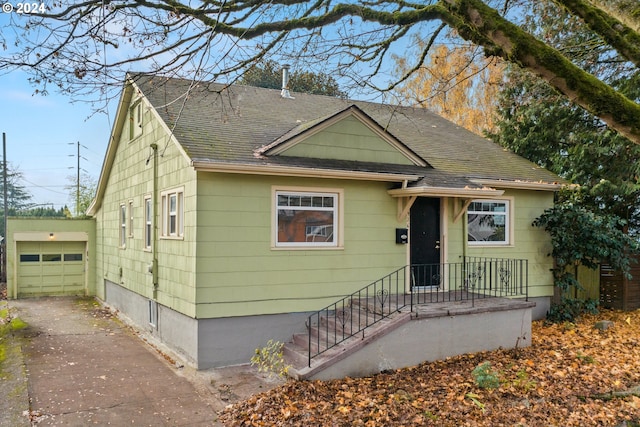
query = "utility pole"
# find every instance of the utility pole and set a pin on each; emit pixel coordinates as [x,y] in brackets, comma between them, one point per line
[78,157]
[78,184]
[6,215]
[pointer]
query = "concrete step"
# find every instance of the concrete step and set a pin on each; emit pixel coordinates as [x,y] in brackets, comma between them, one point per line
[295,355]
[296,352]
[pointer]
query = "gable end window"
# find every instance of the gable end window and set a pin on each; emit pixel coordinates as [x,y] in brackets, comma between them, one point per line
[135,120]
[307,219]
[489,223]
[173,214]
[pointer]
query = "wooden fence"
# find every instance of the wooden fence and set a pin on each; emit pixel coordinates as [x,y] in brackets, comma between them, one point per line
[617,291]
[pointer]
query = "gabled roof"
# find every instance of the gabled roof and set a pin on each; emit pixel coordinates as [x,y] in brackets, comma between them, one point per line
[303,131]
[244,129]
[237,124]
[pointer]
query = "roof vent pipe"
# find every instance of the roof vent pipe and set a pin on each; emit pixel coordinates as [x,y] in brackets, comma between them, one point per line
[285,82]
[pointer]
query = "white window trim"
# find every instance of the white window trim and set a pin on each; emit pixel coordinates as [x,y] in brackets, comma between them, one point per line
[136,112]
[338,218]
[122,229]
[509,229]
[165,198]
[147,222]
[130,218]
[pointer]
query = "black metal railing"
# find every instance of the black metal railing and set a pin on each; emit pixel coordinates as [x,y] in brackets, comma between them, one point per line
[471,279]
[474,278]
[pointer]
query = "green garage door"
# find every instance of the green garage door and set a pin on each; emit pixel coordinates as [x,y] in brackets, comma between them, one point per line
[51,268]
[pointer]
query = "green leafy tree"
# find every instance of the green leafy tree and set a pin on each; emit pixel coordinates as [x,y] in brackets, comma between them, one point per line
[43,212]
[538,123]
[18,197]
[541,125]
[581,237]
[81,193]
[83,48]
[268,74]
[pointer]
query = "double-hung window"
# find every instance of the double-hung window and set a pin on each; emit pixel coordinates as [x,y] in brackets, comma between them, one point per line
[307,218]
[130,218]
[489,222]
[123,225]
[147,222]
[173,213]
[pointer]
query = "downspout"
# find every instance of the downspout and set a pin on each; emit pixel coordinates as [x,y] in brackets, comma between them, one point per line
[465,238]
[154,216]
[465,242]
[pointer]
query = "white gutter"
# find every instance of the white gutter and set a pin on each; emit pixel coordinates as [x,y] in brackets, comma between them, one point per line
[301,172]
[521,185]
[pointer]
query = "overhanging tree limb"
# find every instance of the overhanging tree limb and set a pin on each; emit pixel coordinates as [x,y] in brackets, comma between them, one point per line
[75,35]
[484,26]
[624,39]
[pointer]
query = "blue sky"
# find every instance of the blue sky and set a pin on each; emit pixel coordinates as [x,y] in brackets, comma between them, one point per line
[39,130]
[42,131]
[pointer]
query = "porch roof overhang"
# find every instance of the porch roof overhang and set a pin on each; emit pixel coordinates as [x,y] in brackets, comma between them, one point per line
[463,193]
[407,196]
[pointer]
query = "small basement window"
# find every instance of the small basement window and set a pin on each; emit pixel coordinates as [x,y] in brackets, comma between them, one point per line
[153,313]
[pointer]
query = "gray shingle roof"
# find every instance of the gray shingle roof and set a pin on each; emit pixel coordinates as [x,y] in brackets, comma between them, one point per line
[220,124]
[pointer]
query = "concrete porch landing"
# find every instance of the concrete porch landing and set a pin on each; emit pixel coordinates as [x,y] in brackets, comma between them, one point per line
[431,332]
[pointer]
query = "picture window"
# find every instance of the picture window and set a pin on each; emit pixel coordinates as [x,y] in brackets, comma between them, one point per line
[306,219]
[488,222]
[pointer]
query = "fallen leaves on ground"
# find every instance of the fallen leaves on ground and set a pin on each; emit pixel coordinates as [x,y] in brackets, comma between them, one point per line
[565,378]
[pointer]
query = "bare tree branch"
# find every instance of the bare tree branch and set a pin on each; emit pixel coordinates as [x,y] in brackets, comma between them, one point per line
[81,47]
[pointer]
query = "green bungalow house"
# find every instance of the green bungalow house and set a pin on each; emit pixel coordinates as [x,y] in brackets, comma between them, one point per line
[226,216]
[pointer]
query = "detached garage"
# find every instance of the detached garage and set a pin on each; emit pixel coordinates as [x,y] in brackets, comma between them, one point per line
[47,257]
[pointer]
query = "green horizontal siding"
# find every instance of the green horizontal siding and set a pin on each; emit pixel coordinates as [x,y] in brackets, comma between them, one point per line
[529,242]
[240,274]
[131,178]
[348,139]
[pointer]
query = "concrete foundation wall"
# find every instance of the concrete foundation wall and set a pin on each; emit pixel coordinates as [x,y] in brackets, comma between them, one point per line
[233,340]
[174,330]
[543,304]
[204,343]
[210,343]
[430,339]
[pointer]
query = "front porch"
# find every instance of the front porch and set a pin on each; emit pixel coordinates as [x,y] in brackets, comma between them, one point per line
[476,305]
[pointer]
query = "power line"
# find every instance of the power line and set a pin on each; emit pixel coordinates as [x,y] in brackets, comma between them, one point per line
[46,187]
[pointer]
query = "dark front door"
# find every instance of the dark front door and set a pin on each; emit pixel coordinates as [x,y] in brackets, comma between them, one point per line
[424,240]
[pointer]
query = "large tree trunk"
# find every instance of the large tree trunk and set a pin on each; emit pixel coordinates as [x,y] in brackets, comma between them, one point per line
[477,22]
[626,11]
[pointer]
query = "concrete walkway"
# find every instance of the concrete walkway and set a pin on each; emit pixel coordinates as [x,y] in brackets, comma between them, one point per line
[84,367]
